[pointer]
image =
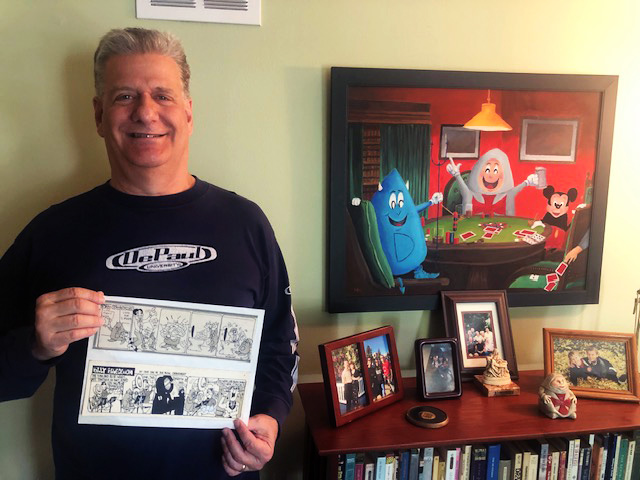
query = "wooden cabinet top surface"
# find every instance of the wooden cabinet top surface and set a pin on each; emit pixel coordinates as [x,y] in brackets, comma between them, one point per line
[473,418]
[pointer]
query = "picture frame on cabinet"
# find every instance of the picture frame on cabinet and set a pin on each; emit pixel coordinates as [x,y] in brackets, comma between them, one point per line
[479,321]
[361,374]
[596,364]
[437,368]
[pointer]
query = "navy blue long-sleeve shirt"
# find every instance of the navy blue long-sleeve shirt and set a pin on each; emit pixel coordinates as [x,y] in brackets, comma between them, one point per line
[80,242]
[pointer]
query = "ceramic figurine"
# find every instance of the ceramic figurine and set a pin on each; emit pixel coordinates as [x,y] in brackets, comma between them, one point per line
[497,370]
[556,398]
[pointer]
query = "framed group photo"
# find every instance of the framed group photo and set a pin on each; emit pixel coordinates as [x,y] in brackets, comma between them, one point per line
[595,364]
[437,368]
[479,321]
[361,374]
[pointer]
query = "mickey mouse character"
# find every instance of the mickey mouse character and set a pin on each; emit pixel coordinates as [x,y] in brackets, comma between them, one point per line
[558,206]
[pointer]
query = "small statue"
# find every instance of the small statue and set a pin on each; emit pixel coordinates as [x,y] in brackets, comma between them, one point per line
[497,370]
[556,398]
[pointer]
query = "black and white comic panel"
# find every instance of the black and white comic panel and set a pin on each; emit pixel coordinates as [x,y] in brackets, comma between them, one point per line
[171,364]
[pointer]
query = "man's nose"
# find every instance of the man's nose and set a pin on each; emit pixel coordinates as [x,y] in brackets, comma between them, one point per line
[146,109]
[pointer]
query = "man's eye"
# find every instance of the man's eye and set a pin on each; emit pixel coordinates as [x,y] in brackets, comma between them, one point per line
[123,97]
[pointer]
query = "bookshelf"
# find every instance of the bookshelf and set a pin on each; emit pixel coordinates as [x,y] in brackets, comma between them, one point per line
[473,418]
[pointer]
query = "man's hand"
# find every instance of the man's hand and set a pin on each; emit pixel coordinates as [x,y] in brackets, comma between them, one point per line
[436,198]
[64,317]
[572,254]
[258,441]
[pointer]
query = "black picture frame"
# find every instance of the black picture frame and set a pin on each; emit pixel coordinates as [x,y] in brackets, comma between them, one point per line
[357,279]
[437,368]
[461,310]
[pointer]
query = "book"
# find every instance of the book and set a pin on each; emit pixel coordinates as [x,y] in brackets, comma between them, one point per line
[359,467]
[390,467]
[586,447]
[403,466]
[478,469]
[493,461]
[442,470]
[465,462]
[605,455]
[635,469]
[630,456]
[427,457]
[596,458]
[414,461]
[552,469]
[340,467]
[504,472]
[621,460]
[369,471]
[350,466]
[515,455]
[381,466]
[435,471]
[573,457]
[612,445]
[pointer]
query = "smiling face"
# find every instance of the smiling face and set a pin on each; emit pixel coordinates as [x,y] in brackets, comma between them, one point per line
[145,119]
[491,176]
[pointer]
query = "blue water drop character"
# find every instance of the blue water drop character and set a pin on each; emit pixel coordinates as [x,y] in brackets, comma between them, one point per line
[399,226]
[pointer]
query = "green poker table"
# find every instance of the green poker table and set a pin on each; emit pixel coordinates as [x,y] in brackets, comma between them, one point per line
[477,261]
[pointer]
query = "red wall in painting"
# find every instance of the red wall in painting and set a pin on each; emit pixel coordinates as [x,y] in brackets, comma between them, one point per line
[457,106]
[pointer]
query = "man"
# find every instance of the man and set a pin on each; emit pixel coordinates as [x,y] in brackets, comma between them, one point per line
[54,275]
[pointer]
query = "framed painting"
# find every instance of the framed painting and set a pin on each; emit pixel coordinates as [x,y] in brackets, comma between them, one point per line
[437,368]
[421,202]
[479,321]
[361,374]
[595,364]
[459,142]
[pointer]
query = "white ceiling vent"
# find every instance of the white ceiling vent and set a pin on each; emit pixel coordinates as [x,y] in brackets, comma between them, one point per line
[246,12]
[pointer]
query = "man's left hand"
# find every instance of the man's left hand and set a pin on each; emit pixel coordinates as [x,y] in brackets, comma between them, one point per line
[258,441]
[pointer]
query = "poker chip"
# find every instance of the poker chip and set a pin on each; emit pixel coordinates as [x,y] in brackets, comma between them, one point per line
[427,417]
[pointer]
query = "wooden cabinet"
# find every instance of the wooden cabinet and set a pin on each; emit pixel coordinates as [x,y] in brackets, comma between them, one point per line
[473,418]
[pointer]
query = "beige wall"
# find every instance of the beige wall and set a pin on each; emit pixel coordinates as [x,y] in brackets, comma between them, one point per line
[261,111]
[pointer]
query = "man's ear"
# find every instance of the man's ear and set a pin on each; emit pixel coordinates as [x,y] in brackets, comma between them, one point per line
[97,114]
[189,110]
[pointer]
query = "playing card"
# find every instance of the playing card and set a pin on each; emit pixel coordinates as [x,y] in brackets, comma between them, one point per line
[467,235]
[561,268]
[552,277]
[550,286]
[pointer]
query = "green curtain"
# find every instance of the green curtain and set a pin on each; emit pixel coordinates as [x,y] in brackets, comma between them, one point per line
[407,148]
[355,161]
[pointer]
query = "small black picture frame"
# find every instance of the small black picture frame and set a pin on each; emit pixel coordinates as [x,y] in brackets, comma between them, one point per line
[437,368]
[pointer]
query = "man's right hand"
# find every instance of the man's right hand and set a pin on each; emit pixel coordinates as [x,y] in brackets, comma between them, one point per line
[64,317]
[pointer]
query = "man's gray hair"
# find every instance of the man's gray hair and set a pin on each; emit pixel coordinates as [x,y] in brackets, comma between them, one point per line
[130,41]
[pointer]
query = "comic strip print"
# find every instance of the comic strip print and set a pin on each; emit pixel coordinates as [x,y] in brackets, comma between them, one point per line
[143,328]
[141,391]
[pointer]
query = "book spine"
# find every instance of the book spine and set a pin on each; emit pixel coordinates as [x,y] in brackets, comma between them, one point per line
[630,458]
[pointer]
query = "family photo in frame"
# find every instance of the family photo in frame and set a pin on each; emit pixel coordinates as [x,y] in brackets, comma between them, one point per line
[361,374]
[595,364]
[422,200]
[479,321]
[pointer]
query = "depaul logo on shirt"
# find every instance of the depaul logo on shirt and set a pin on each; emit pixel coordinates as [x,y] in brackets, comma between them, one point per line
[161,258]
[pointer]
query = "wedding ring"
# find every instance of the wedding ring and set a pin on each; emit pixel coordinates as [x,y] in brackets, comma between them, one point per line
[244,467]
